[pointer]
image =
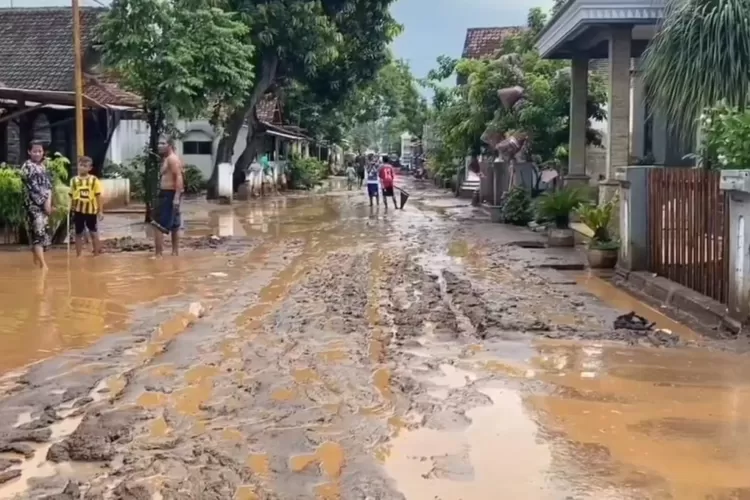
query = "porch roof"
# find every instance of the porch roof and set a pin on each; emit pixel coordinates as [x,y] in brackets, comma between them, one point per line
[580,27]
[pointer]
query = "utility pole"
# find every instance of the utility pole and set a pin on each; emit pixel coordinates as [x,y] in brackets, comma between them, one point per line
[78,79]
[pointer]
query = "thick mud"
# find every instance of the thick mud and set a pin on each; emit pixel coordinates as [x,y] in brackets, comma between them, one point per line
[349,353]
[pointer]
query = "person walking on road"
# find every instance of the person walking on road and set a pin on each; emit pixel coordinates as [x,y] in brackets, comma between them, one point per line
[37,201]
[167,217]
[351,176]
[361,170]
[386,175]
[373,183]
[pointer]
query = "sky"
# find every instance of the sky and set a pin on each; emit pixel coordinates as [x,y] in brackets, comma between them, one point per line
[438,27]
[431,27]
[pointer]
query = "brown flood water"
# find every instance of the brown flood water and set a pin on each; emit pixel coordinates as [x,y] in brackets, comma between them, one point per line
[615,422]
[586,420]
[79,300]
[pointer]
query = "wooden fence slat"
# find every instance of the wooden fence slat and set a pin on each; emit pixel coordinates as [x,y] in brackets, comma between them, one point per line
[670,223]
[701,232]
[688,229]
[693,235]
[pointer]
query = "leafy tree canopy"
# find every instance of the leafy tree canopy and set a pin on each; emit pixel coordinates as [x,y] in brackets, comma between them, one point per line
[183,57]
[372,113]
[462,114]
[327,48]
[699,56]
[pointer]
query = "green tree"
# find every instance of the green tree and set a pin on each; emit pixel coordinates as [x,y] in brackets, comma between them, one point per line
[699,56]
[463,114]
[184,58]
[330,46]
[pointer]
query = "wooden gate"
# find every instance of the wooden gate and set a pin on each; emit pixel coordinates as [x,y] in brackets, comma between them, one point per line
[688,221]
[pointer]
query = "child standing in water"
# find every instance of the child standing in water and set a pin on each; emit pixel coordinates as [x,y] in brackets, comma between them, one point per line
[85,194]
[351,176]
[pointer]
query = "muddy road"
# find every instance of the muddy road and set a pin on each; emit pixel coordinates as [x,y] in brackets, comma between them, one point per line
[330,351]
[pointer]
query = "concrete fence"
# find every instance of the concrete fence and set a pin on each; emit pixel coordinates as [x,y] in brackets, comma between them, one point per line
[115,193]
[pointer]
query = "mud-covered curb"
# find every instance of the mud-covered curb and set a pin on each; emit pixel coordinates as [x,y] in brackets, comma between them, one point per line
[702,314]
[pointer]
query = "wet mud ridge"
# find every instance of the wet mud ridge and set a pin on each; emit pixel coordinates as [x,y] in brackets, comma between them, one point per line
[296,378]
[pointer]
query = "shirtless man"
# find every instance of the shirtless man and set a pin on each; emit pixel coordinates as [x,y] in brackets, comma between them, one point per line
[166,218]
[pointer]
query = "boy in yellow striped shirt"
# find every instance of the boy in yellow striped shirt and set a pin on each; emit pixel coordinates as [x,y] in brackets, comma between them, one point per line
[85,193]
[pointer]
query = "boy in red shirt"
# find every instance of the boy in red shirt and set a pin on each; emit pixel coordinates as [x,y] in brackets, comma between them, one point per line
[386,180]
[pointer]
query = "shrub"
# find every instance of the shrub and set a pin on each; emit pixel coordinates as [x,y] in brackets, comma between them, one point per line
[558,205]
[194,181]
[12,214]
[725,138]
[306,173]
[11,200]
[516,208]
[133,171]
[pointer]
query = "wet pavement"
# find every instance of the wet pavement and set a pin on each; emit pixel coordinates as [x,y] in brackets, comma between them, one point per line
[329,351]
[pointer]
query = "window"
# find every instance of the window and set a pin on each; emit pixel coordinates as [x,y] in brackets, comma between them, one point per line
[197,148]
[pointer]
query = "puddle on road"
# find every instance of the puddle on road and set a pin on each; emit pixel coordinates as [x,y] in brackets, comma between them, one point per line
[81,300]
[609,422]
[673,421]
[329,457]
[623,301]
[498,456]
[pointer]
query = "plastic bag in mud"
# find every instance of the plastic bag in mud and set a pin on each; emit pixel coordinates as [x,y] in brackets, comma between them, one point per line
[404,197]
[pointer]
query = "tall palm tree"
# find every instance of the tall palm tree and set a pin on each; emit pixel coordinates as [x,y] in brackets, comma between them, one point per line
[699,56]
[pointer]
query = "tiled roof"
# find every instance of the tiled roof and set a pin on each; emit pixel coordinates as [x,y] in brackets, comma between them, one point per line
[105,91]
[486,42]
[36,53]
[268,110]
[36,46]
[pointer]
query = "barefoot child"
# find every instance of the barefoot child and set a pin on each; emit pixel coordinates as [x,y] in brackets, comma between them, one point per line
[85,194]
[386,175]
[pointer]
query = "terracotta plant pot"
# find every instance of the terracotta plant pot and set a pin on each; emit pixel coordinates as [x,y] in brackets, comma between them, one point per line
[602,258]
[557,237]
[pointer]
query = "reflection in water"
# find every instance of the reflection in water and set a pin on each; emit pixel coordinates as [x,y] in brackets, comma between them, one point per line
[670,423]
[498,456]
[79,300]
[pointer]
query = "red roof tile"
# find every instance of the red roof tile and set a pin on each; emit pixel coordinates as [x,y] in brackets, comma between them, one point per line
[486,42]
[268,110]
[105,91]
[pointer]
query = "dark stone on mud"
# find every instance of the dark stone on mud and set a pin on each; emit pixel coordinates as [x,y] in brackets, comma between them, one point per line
[24,435]
[83,402]
[76,392]
[158,388]
[7,463]
[94,439]
[9,475]
[20,448]
[71,492]
[47,417]
[126,491]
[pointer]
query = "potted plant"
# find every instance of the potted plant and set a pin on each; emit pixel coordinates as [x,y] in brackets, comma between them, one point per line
[515,208]
[602,249]
[556,207]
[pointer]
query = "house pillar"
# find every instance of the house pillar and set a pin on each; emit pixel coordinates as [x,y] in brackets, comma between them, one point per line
[638,114]
[618,133]
[579,75]
[618,112]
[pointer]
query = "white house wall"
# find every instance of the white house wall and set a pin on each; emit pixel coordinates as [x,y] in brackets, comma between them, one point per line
[131,137]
